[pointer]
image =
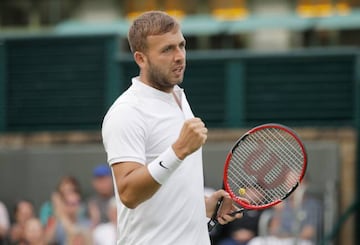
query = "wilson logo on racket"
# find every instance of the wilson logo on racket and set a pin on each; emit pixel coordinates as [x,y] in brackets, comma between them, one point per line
[262,169]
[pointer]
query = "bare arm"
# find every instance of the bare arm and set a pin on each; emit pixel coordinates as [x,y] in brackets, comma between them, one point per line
[134,182]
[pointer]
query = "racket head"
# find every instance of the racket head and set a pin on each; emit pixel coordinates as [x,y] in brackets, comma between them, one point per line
[265,166]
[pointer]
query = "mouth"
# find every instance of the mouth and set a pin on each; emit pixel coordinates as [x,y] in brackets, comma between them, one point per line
[179,70]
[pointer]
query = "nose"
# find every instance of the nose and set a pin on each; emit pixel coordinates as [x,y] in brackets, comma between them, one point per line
[180,54]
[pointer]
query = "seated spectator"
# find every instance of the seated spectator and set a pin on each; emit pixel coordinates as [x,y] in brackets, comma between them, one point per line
[296,219]
[66,219]
[103,191]
[4,223]
[23,211]
[34,232]
[108,229]
[241,231]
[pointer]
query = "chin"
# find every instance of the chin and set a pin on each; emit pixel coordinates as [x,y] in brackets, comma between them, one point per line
[179,80]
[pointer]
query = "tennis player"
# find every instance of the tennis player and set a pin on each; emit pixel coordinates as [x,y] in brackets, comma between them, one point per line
[153,144]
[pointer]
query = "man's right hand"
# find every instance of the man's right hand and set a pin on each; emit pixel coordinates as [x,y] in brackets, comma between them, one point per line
[192,136]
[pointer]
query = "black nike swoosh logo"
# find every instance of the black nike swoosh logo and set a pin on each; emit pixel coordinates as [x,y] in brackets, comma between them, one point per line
[161,165]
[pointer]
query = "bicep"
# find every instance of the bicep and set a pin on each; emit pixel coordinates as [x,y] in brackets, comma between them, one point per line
[123,169]
[134,183]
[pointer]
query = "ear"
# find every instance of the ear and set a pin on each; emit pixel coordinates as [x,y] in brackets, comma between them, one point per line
[140,59]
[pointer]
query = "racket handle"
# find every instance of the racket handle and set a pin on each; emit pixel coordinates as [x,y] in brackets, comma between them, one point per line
[211,224]
[213,221]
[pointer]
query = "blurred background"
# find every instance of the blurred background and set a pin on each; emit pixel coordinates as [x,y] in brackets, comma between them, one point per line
[295,62]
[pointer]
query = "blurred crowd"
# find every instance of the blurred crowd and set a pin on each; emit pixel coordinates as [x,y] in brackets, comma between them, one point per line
[296,220]
[67,217]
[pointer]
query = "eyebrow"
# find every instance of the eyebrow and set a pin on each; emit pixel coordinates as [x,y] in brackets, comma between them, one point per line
[182,43]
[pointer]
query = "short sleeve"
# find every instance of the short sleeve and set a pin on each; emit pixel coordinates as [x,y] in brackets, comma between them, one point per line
[124,134]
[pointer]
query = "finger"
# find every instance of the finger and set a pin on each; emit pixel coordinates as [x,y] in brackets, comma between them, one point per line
[225,219]
[220,193]
[239,213]
[221,220]
[198,122]
[195,120]
[227,206]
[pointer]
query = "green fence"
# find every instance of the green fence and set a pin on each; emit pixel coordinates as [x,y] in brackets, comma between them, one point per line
[68,82]
[55,83]
[300,88]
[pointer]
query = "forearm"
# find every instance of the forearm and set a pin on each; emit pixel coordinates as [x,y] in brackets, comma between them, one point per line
[138,182]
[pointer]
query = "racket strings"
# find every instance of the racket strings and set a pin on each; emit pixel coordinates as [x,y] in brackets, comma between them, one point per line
[237,183]
[259,163]
[286,145]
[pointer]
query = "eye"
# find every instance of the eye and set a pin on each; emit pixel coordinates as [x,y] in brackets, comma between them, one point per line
[182,45]
[167,49]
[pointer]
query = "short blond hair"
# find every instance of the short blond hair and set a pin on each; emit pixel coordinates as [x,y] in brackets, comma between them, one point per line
[148,24]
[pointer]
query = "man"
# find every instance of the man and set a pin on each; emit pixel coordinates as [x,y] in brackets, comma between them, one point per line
[153,144]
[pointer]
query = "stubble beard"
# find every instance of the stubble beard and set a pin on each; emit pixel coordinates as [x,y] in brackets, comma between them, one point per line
[160,80]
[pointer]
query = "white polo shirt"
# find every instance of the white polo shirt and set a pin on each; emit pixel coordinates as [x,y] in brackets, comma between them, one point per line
[141,124]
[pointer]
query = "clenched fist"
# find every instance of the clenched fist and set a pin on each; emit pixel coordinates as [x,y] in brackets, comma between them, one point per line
[192,136]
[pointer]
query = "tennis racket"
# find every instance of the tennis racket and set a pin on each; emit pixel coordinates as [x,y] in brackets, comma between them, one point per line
[263,168]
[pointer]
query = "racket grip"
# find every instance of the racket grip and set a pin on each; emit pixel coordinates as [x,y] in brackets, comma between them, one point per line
[211,224]
[213,221]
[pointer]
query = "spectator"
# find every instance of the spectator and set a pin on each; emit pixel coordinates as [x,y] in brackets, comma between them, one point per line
[34,232]
[241,231]
[24,211]
[297,219]
[104,191]
[66,184]
[4,223]
[67,217]
[108,229]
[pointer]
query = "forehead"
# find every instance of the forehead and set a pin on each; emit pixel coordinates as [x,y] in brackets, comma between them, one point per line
[169,38]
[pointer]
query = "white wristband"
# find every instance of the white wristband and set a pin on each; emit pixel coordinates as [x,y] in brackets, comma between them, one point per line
[164,165]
